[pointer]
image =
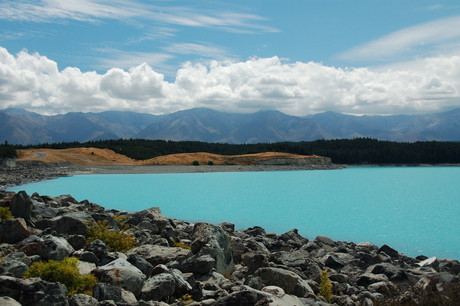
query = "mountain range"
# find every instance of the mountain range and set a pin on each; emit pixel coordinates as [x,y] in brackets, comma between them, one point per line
[18,126]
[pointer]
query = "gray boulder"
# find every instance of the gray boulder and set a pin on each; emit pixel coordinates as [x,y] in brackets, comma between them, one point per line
[82,300]
[158,287]
[7,301]
[151,218]
[13,230]
[21,205]
[156,255]
[38,292]
[367,279]
[74,223]
[11,286]
[209,239]
[121,273]
[290,282]
[140,263]
[13,267]
[103,291]
[198,264]
[56,248]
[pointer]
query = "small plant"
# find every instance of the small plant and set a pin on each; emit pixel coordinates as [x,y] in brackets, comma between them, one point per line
[64,272]
[186,299]
[210,162]
[195,163]
[180,244]
[115,239]
[325,286]
[5,214]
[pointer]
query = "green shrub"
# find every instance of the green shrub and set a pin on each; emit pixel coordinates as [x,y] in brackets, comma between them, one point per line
[64,272]
[210,162]
[5,214]
[195,163]
[325,286]
[115,239]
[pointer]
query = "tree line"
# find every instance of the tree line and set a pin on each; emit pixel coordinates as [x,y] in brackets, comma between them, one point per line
[7,151]
[341,151]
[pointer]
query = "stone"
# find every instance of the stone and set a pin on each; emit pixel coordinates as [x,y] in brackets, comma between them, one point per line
[121,273]
[332,261]
[152,216]
[198,264]
[366,247]
[11,286]
[140,263]
[55,248]
[209,239]
[158,287]
[156,255]
[289,281]
[98,248]
[103,291]
[85,267]
[389,251]
[13,230]
[7,301]
[229,228]
[21,205]
[293,237]
[13,267]
[82,300]
[38,292]
[254,261]
[69,224]
[21,256]
[394,273]
[77,241]
[324,240]
[369,278]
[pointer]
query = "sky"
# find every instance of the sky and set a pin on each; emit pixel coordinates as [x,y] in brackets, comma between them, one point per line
[301,57]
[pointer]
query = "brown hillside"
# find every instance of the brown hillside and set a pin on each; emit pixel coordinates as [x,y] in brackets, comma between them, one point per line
[94,156]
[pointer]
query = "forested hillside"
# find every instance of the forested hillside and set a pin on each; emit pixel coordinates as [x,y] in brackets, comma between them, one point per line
[341,151]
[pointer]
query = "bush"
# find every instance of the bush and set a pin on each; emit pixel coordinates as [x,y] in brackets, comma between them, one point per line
[64,272]
[325,286]
[5,214]
[115,239]
[210,163]
[195,163]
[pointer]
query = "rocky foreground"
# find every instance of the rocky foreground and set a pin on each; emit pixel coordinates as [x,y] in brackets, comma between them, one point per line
[180,263]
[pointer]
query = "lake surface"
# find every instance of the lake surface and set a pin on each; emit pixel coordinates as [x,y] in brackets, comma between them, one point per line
[414,210]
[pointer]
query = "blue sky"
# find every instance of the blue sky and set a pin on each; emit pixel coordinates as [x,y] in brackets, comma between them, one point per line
[299,57]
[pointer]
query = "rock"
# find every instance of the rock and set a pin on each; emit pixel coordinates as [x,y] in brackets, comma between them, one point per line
[293,238]
[69,224]
[7,301]
[152,217]
[393,272]
[128,297]
[209,239]
[369,278]
[198,264]
[21,205]
[158,287]
[244,296]
[121,273]
[103,291]
[156,255]
[21,256]
[366,247]
[56,248]
[13,230]
[229,228]
[290,282]
[14,268]
[82,300]
[386,288]
[430,262]
[77,241]
[323,240]
[85,267]
[11,286]
[143,265]
[98,248]
[389,251]
[284,300]
[38,292]
[254,261]
[332,261]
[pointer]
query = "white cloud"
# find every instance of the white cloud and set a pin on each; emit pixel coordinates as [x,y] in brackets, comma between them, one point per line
[34,82]
[128,10]
[440,36]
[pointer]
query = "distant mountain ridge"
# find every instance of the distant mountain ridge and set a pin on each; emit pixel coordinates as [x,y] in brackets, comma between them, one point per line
[18,126]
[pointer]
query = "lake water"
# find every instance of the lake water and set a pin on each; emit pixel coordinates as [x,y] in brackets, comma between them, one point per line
[414,210]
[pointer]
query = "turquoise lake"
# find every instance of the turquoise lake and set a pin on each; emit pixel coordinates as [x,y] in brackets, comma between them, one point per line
[415,210]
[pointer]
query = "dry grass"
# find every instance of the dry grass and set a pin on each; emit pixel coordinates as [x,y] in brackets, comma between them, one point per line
[94,156]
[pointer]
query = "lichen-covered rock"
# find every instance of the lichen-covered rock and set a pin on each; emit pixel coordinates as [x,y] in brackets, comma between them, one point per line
[82,300]
[158,287]
[13,230]
[55,248]
[21,205]
[157,255]
[121,273]
[74,223]
[290,282]
[209,239]
[37,292]
[13,267]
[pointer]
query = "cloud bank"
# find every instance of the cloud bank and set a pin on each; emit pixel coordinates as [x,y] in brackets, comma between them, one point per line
[34,82]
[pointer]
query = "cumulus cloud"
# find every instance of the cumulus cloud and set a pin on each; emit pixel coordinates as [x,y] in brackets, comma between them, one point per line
[33,82]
